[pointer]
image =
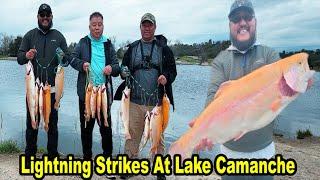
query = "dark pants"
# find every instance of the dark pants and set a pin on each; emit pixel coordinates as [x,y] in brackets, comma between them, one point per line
[32,134]
[86,133]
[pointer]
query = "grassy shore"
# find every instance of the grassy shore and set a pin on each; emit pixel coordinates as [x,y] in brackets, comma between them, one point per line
[9,147]
[2,57]
[8,58]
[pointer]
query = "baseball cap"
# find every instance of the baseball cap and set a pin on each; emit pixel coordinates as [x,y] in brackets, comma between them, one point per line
[148,17]
[44,8]
[241,4]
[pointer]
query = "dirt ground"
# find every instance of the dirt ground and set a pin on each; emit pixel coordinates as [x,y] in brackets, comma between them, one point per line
[306,152]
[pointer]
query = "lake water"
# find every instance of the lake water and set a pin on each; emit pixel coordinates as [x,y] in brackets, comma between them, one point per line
[190,89]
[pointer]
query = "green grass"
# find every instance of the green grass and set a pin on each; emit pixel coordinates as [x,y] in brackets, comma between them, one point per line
[9,146]
[188,59]
[42,150]
[301,134]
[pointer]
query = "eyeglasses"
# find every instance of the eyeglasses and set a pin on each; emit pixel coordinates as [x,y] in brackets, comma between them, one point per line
[237,18]
[43,14]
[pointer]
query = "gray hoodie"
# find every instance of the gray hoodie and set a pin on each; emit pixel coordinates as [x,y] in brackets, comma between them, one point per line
[232,64]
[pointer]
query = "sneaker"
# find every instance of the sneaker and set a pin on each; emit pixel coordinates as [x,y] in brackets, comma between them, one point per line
[161,177]
[108,176]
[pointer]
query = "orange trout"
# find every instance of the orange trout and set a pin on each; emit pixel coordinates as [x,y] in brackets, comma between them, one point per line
[247,104]
[46,105]
[104,104]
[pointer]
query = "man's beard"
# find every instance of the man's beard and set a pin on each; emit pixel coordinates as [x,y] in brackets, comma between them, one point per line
[243,45]
[45,28]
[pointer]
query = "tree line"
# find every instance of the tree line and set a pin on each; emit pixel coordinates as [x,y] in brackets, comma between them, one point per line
[9,46]
[313,59]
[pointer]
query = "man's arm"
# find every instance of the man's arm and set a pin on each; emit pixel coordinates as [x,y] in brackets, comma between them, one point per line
[67,58]
[169,68]
[76,62]
[23,49]
[114,62]
[126,60]
[217,78]
[273,56]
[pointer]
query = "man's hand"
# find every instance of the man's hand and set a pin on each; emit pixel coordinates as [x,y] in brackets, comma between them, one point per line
[204,143]
[125,72]
[162,80]
[31,53]
[86,66]
[107,70]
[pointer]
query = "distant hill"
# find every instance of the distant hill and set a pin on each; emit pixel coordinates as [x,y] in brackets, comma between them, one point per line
[295,48]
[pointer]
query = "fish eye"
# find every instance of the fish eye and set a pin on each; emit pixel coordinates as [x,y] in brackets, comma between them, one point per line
[300,62]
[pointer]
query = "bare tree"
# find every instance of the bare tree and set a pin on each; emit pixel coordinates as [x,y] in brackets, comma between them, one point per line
[5,42]
[113,40]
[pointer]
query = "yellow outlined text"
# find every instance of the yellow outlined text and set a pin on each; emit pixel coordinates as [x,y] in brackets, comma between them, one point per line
[273,166]
[121,165]
[41,167]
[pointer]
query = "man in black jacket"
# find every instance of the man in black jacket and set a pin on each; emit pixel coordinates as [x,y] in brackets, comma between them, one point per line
[152,67]
[39,46]
[96,52]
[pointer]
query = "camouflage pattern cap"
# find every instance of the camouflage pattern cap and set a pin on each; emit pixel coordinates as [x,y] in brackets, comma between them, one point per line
[148,17]
[241,4]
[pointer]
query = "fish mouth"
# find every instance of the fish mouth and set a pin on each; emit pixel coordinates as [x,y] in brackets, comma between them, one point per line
[285,89]
[304,83]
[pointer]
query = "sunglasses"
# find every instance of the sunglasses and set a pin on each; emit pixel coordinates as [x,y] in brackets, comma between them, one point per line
[43,14]
[237,18]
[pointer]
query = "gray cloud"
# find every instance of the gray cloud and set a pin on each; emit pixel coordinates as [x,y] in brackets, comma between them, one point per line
[280,23]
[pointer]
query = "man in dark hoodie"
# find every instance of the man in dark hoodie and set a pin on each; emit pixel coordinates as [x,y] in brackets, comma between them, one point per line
[39,46]
[151,65]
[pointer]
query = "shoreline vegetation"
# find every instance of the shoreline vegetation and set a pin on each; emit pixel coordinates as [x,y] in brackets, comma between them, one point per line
[201,53]
[184,60]
[303,151]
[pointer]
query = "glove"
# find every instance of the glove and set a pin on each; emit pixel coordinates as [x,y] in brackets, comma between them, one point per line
[125,71]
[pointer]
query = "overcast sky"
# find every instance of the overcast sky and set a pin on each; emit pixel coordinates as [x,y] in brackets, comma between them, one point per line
[283,23]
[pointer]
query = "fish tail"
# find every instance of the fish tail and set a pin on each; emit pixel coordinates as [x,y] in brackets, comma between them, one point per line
[34,124]
[127,135]
[46,127]
[106,124]
[142,143]
[183,146]
[56,105]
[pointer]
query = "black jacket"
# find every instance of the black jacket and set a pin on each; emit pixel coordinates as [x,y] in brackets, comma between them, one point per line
[82,54]
[168,67]
[46,45]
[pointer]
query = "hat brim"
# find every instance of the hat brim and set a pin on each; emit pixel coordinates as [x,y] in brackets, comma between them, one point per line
[244,8]
[47,11]
[144,20]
